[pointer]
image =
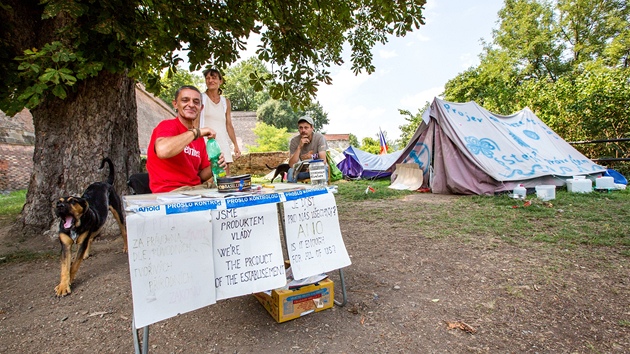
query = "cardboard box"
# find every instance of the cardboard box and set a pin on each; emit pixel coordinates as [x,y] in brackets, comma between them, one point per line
[285,305]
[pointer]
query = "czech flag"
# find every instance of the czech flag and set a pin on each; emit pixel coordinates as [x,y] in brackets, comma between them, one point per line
[383,142]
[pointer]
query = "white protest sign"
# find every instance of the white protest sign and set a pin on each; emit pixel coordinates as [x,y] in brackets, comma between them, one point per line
[313,236]
[247,248]
[170,259]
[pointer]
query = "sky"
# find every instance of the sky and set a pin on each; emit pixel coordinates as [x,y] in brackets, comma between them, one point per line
[410,71]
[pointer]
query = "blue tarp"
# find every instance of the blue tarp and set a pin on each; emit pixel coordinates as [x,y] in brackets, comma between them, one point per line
[618,178]
[361,164]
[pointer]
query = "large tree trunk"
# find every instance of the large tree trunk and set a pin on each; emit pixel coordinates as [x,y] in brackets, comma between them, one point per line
[71,138]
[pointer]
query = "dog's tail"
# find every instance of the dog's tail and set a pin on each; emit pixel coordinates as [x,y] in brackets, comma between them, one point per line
[110,178]
[271,168]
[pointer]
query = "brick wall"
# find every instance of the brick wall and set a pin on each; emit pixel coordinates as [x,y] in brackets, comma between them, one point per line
[254,163]
[16,164]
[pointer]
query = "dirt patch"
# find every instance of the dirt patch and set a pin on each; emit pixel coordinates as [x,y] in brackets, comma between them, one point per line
[404,288]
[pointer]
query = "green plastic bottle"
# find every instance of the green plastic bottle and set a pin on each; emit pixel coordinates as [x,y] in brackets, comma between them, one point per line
[214,151]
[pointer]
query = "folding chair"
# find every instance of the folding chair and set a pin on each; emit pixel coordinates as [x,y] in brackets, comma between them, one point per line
[138,183]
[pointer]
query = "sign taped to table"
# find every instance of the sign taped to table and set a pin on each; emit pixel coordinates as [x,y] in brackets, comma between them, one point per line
[169,263]
[313,236]
[247,250]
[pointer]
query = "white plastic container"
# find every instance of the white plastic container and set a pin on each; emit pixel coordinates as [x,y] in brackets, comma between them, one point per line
[546,192]
[317,173]
[520,192]
[579,185]
[604,183]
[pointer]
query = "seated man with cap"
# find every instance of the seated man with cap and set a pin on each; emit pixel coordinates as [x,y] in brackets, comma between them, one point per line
[308,145]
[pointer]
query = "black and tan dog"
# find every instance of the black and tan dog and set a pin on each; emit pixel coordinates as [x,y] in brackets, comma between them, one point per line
[281,170]
[81,221]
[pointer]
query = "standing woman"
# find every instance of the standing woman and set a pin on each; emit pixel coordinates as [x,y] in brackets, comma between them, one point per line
[217,115]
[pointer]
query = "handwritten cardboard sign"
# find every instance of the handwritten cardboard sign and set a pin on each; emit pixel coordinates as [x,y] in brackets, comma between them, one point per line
[314,242]
[170,262]
[247,250]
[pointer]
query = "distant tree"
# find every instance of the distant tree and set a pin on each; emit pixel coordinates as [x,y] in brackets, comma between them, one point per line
[527,33]
[371,145]
[413,122]
[588,28]
[315,111]
[270,138]
[280,114]
[240,89]
[174,79]
[353,140]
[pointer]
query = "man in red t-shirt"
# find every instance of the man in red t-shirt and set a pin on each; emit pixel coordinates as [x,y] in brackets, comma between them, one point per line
[177,155]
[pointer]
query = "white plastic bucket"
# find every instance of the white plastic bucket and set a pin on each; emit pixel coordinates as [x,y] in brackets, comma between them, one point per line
[546,192]
[520,192]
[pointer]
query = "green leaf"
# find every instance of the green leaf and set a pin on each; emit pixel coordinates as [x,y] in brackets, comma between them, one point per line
[24,66]
[59,91]
[48,75]
[69,79]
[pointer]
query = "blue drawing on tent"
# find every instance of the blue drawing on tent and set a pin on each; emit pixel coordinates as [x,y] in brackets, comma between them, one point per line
[582,164]
[484,145]
[520,141]
[514,125]
[469,118]
[550,132]
[531,134]
[532,171]
[513,159]
[422,157]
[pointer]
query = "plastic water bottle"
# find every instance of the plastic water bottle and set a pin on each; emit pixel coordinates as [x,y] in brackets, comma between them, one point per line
[214,151]
[520,192]
[317,173]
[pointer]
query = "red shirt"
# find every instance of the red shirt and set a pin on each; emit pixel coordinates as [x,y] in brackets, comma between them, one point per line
[180,170]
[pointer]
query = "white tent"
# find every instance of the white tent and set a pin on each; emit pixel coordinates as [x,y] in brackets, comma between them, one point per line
[464,149]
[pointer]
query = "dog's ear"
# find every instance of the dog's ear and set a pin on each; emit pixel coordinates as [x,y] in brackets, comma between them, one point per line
[79,205]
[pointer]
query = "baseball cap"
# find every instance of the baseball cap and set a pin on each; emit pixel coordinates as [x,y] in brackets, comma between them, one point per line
[307,119]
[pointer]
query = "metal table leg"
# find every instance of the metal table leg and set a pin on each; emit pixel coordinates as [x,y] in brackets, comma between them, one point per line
[343,290]
[136,341]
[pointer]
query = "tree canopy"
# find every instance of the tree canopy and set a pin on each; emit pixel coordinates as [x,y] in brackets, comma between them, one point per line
[239,88]
[270,138]
[413,121]
[171,81]
[280,114]
[300,39]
